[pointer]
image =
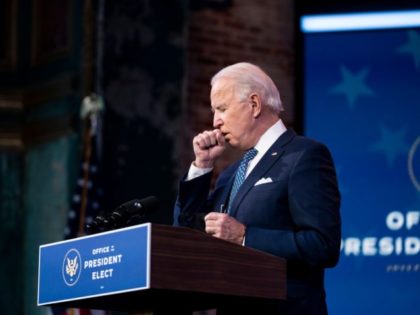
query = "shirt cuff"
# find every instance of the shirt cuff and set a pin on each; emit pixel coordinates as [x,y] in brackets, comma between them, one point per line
[195,171]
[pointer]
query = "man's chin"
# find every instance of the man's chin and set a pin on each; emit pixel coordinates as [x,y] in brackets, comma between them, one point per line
[232,143]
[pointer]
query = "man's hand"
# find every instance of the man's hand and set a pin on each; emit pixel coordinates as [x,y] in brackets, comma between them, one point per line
[223,226]
[208,147]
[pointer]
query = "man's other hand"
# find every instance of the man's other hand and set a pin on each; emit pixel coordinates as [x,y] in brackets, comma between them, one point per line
[223,226]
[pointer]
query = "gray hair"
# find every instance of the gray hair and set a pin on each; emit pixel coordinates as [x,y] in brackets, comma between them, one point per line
[250,78]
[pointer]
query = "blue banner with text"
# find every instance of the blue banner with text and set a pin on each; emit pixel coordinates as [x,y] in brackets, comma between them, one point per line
[101,264]
[362,99]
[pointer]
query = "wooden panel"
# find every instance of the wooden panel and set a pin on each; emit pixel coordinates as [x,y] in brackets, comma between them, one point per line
[16,132]
[15,138]
[184,259]
[51,30]
[19,99]
[8,21]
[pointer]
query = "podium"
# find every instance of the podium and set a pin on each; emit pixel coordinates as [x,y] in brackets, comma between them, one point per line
[156,268]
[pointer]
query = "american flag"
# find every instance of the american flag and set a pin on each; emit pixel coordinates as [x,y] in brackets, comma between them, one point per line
[88,195]
[87,198]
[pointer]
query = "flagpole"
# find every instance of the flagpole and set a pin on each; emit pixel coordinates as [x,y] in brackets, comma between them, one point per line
[92,106]
[87,152]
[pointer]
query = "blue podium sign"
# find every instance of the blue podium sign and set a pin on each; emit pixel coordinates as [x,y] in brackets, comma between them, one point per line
[97,265]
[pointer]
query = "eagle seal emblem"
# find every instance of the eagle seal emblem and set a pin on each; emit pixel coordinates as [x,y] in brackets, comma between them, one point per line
[71,267]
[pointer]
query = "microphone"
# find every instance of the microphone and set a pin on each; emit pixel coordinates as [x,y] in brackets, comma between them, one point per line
[132,211]
[100,224]
[135,207]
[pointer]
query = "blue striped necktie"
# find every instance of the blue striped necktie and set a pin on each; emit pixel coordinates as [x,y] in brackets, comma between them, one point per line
[241,174]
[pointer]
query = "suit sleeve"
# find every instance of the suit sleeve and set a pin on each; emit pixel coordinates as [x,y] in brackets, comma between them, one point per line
[192,200]
[314,202]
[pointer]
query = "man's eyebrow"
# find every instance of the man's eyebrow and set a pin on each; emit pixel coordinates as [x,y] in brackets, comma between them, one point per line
[217,107]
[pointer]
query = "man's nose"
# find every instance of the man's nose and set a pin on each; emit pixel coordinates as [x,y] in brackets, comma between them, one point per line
[217,122]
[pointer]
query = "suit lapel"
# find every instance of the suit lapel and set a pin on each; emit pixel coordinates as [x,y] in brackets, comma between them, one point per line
[226,193]
[263,166]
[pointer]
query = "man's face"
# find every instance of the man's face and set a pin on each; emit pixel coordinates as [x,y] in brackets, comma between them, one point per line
[233,117]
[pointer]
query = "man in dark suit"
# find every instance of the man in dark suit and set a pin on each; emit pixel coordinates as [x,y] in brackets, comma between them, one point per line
[281,197]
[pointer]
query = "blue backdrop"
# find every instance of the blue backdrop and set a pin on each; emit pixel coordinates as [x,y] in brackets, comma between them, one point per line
[362,99]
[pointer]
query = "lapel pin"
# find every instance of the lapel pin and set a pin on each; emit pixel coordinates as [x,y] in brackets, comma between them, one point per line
[274,153]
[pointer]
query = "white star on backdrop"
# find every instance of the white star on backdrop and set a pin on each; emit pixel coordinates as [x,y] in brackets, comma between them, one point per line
[412,47]
[353,85]
[391,144]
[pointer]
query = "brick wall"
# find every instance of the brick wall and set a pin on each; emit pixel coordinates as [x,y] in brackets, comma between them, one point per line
[261,32]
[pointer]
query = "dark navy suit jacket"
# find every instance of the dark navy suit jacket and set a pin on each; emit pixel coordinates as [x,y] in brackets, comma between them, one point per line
[296,216]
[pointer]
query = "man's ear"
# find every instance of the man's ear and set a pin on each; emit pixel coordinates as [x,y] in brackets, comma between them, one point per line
[256,104]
